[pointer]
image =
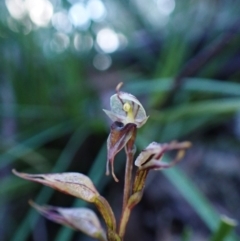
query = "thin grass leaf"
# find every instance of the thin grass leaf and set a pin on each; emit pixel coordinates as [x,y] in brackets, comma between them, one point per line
[212,86]
[10,187]
[201,108]
[191,84]
[225,227]
[31,111]
[34,142]
[193,196]
[169,63]
[187,234]
[180,128]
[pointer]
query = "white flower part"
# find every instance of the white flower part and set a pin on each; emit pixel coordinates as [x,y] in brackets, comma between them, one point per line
[151,156]
[126,108]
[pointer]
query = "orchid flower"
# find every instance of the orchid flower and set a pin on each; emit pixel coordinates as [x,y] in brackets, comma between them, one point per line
[151,157]
[126,108]
[127,114]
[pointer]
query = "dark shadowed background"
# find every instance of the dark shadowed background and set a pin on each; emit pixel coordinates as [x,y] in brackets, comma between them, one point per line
[60,61]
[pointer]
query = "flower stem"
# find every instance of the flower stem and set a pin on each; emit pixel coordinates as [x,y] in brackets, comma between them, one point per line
[128,179]
[124,221]
[133,200]
[129,149]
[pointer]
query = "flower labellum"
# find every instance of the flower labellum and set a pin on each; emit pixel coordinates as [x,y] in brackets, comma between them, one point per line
[126,108]
[117,140]
[150,158]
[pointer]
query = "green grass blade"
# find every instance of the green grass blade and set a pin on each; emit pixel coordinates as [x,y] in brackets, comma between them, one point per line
[178,129]
[225,227]
[187,234]
[193,196]
[212,86]
[201,108]
[34,142]
[190,84]
[10,187]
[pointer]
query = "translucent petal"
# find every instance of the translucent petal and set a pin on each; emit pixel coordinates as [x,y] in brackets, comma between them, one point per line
[118,114]
[118,100]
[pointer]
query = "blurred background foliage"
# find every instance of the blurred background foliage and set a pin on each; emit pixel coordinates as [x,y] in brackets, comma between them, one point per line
[60,62]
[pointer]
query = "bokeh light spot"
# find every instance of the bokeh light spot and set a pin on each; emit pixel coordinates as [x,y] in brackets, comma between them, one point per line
[107,40]
[16,8]
[102,61]
[82,42]
[40,11]
[96,10]
[60,42]
[61,22]
[166,7]
[79,16]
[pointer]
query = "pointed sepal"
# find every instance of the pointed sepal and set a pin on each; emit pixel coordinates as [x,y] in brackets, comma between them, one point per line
[117,140]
